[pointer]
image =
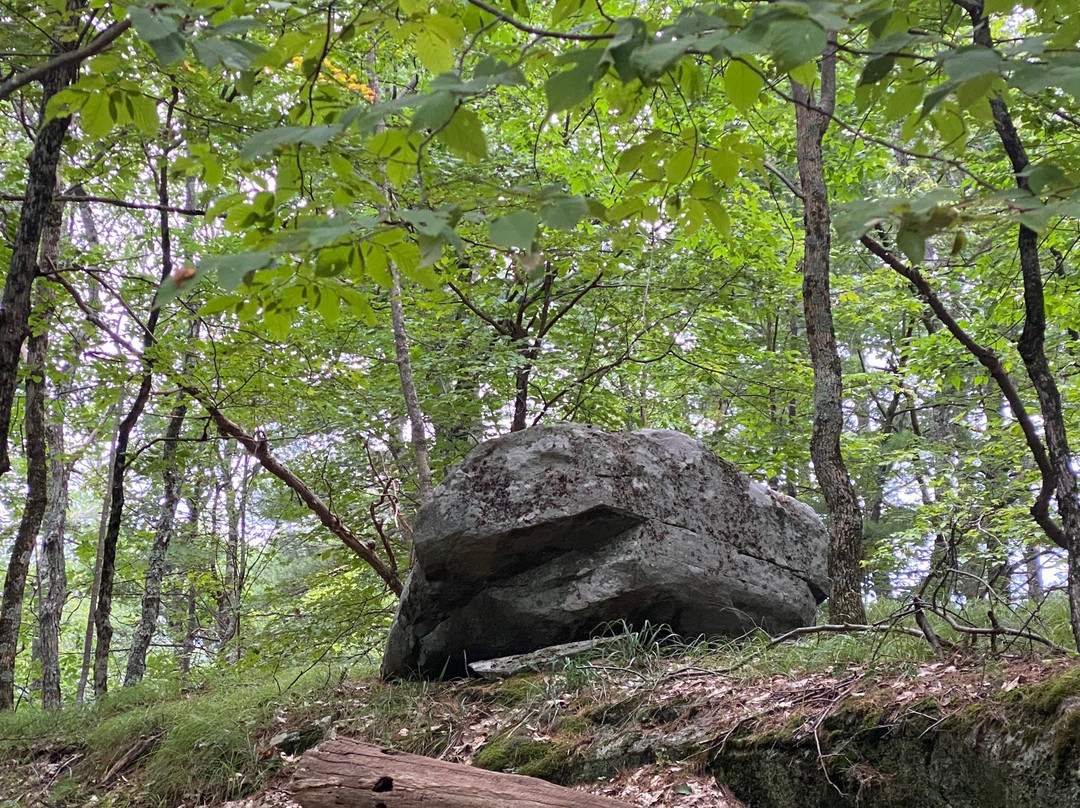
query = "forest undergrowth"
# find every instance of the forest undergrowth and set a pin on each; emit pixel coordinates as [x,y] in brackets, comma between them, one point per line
[230,738]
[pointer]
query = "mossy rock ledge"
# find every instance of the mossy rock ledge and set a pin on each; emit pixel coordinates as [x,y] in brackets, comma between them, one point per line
[1013,752]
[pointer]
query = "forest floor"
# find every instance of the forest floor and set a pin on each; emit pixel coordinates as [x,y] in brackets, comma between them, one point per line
[639,728]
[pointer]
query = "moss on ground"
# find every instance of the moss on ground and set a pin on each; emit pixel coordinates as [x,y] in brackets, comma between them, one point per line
[517,753]
[1045,697]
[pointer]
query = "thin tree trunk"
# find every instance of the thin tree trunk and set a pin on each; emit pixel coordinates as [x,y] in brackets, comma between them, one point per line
[103,613]
[1033,575]
[845,530]
[163,534]
[408,390]
[227,617]
[521,392]
[418,434]
[191,631]
[40,189]
[190,598]
[33,512]
[52,569]
[95,587]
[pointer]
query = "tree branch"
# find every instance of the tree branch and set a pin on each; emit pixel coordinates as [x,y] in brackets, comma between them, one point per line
[91,48]
[258,448]
[119,203]
[540,32]
[1040,510]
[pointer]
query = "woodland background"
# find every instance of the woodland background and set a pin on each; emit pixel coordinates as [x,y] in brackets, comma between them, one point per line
[273,267]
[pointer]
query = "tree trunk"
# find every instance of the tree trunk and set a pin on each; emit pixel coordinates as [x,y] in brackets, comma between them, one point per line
[37,201]
[408,390]
[401,342]
[33,512]
[846,529]
[1032,340]
[103,613]
[232,582]
[1033,575]
[52,569]
[155,566]
[521,391]
[346,772]
[189,600]
[95,586]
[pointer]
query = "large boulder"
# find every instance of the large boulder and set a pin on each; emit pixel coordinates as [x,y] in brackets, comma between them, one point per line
[542,536]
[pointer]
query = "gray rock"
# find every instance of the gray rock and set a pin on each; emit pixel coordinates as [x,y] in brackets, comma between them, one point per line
[542,536]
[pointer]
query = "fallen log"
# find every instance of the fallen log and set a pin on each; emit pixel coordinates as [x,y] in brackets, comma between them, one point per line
[344,772]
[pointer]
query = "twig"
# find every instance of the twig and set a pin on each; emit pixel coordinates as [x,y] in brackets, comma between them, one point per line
[540,32]
[838,628]
[997,630]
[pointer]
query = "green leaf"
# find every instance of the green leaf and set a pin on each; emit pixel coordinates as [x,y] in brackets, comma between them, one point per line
[877,69]
[742,84]
[566,212]
[96,115]
[169,50]
[427,222]
[935,97]
[219,304]
[718,216]
[431,248]
[1045,175]
[405,255]
[376,265]
[231,269]
[278,322]
[724,164]
[144,114]
[913,245]
[679,167]
[65,103]
[969,63]
[515,230]
[435,112]
[233,54]
[263,143]
[794,42]
[436,54]
[327,233]
[151,24]
[805,74]
[569,88]
[902,101]
[464,135]
[975,89]
[329,305]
